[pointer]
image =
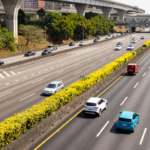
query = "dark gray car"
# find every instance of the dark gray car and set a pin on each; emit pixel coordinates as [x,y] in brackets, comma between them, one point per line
[30,53]
[45,52]
[1,63]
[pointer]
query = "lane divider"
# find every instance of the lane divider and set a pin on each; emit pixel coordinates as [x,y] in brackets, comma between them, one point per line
[123,101]
[27,97]
[143,136]
[82,110]
[136,84]
[102,129]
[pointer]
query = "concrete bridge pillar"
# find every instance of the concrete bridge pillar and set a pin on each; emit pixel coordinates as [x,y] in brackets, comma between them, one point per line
[81,9]
[106,11]
[134,19]
[115,19]
[11,8]
[121,14]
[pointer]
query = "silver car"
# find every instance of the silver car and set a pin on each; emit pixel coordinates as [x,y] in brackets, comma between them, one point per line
[53,87]
[81,43]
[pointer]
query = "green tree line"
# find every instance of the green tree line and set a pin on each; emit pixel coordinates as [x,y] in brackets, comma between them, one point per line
[72,25]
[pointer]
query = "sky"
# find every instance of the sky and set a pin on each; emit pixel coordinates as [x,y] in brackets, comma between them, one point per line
[144,4]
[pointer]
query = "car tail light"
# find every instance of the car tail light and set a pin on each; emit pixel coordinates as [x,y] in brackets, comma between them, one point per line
[117,121]
[131,122]
[85,106]
[96,107]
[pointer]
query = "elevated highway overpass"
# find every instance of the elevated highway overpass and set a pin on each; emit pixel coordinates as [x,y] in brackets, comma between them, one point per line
[11,10]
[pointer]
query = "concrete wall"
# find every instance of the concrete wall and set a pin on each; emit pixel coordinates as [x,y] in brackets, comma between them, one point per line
[57,117]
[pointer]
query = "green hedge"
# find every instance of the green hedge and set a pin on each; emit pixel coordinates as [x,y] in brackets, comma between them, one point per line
[15,126]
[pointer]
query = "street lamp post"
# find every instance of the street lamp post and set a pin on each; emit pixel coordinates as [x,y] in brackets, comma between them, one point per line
[45,36]
[83,32]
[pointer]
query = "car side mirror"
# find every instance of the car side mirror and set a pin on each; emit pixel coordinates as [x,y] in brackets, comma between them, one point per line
[120,112]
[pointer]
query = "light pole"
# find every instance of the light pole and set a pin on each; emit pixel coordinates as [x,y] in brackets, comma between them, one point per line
[83,32]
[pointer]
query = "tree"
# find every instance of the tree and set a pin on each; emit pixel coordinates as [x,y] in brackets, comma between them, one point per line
[21,17]
[41,13]
[31,33]
[6,39]
[27,17]
[60,30]
[52,15]
[89,15]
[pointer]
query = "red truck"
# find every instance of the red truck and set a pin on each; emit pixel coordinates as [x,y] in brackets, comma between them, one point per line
[132,68]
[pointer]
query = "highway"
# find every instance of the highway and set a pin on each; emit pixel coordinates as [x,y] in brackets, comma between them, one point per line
[99,133]
[23,88]
[60,48]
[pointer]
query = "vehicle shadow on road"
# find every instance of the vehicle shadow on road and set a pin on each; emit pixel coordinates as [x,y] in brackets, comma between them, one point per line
[44,95]
[119,131]
[126,74]
[86,116]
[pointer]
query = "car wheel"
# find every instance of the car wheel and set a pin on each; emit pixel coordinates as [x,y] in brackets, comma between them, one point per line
[85,114]
[99,114]
[106,106]
[133,131]
[138,121]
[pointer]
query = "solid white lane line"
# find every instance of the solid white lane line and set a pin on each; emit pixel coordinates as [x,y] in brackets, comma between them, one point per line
[1,75]
[12,72]
[37,81]
[27,97]
[123,101]
[144,74]
[60,71]
[6,73]
[92,65]
[136,84]
[77,72]
[143,136]
[6,94]
[102,129]
[6,83]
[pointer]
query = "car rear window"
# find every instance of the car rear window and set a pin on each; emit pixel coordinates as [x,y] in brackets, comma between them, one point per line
[124,120]
[90,104]
[50,46]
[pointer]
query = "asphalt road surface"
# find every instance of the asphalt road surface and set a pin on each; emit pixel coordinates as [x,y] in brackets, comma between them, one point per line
[21,87]
[88,132]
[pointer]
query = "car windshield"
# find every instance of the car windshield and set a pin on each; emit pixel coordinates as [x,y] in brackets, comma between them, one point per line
[45,50]
[81,42]
[118,43]
[90,104]
[124,120]
[50,46]
[51,86]
[130,46]
[29,52]
[118,46]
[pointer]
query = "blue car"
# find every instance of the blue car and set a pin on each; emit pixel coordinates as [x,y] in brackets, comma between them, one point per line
[127,120]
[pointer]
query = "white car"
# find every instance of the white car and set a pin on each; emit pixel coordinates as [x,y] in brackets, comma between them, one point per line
[142,37]
[95,106]
[130,47]
[81,43]
[118,47]
[134,41]
[107,37]
[118,34]
[53,87]
[113,35]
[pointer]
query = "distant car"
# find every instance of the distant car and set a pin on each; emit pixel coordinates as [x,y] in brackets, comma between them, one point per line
[130,47]
[1,63]
[72,44]
[95,40]
[119,43]
[51,47]
[122,32]
[81,43]
[95,106]
[107,37]
[109,34]
[45,52]
[127,120]
[53,87]
[142,37]
[118,34]
[118,47]
[134,41]
[113,35]
[98,37]
[30,53]
[134,38]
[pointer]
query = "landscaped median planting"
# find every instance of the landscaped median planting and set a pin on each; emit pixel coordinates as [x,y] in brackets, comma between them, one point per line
[15,126]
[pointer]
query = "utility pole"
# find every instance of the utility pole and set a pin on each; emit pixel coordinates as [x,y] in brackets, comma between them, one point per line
[45,36]
[83,32]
